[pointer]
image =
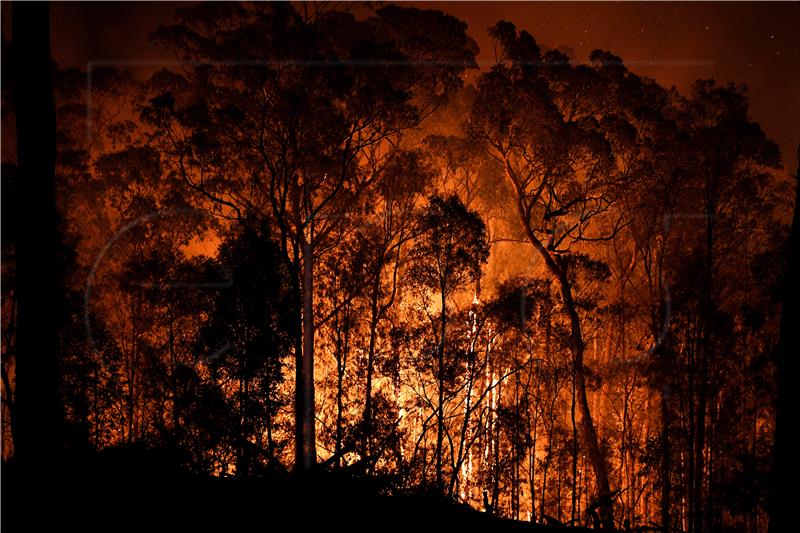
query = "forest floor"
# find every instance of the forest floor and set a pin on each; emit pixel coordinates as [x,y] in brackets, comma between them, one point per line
[120,492]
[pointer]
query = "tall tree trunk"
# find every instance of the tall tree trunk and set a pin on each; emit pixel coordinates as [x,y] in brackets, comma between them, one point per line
[342,352]
[664,356]
[574,449]
[373,331]
[588,433]
[666,486]
[785,440]
[308,407]
[440,405]
[39,284]
[462,441]
[691,420]
[532,469]
[299,391]
[495,435]
[515,487]
[337,448]
[704,357]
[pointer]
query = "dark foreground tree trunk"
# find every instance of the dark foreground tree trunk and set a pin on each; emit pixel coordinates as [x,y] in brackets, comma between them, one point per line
[785,439]
[39,416]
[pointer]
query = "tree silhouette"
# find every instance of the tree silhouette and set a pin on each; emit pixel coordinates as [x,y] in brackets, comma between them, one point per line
[306,101]
[38,274]
[248,333]
[560,163]
[787,369]
[274,255]
[449,252]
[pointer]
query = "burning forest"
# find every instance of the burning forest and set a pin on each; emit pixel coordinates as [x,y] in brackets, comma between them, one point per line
[375,260]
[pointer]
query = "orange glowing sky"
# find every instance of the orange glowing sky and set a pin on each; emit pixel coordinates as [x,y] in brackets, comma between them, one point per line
[752,43]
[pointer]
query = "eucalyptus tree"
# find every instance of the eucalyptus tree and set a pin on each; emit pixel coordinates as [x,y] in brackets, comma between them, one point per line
[448,252]
[245,339]
[288,116]
[566,148]
[403,179]
[648,255]
[734,205]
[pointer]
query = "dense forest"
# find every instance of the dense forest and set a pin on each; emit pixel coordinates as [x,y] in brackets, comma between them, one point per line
[324,240]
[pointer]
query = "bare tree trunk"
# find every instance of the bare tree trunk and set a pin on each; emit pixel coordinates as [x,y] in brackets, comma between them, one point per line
[548,334]
[574,449]
[666,486]
[496,448]
[588,433]
[299,395]
[440,406]
[373,330]
[532,470]
[704,356]
[690,421]
[462,443]
[342,352]
[515,487]
[337,448]
[533,425]
[664,355]
[308,407]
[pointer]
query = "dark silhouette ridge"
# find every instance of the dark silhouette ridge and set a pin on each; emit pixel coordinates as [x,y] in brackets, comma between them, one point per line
[143,488]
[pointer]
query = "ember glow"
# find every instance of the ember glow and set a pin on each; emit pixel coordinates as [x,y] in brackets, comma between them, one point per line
[530,258]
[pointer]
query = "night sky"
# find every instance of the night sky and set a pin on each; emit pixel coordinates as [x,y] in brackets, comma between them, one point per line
[676,43]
